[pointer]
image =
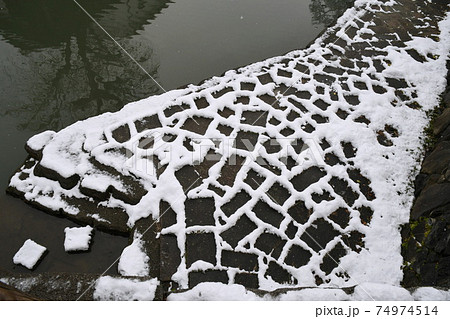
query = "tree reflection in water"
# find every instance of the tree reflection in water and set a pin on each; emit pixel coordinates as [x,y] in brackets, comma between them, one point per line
[325,12]
[66,68]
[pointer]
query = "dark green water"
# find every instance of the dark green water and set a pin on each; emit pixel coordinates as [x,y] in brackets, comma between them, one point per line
[57,67]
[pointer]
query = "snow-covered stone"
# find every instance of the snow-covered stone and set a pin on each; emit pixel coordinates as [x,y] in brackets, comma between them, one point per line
[37,142]
[77,238]
[29,254]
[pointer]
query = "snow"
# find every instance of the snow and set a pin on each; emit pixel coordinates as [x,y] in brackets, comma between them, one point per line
[314,294]
[215,291]
[134,261]
[38,141]
[77,238]
[29,254]
[431,294]
[375,270]
[379,292]
[121,289]
[101,182]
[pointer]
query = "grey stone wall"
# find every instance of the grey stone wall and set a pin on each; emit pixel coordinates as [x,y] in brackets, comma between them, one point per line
[426,239]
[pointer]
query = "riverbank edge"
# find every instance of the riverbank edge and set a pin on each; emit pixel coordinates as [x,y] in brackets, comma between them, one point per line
[426,238]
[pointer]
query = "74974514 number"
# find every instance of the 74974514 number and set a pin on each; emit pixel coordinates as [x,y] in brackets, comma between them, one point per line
[407,310]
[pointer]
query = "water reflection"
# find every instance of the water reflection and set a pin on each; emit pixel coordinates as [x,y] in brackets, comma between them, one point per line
[72,69]
[325,12]
[57,67]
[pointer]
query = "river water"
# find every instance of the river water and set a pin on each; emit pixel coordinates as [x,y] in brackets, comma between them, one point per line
[57,67]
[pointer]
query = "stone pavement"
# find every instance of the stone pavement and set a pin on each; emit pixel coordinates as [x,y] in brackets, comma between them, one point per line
[263,177]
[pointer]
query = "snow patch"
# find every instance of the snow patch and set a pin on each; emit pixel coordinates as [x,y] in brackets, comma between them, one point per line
[379,292]
[121,289]
[29,254]
[134,261]
[77,238]
[431,294]
[38,141]
[215,291]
